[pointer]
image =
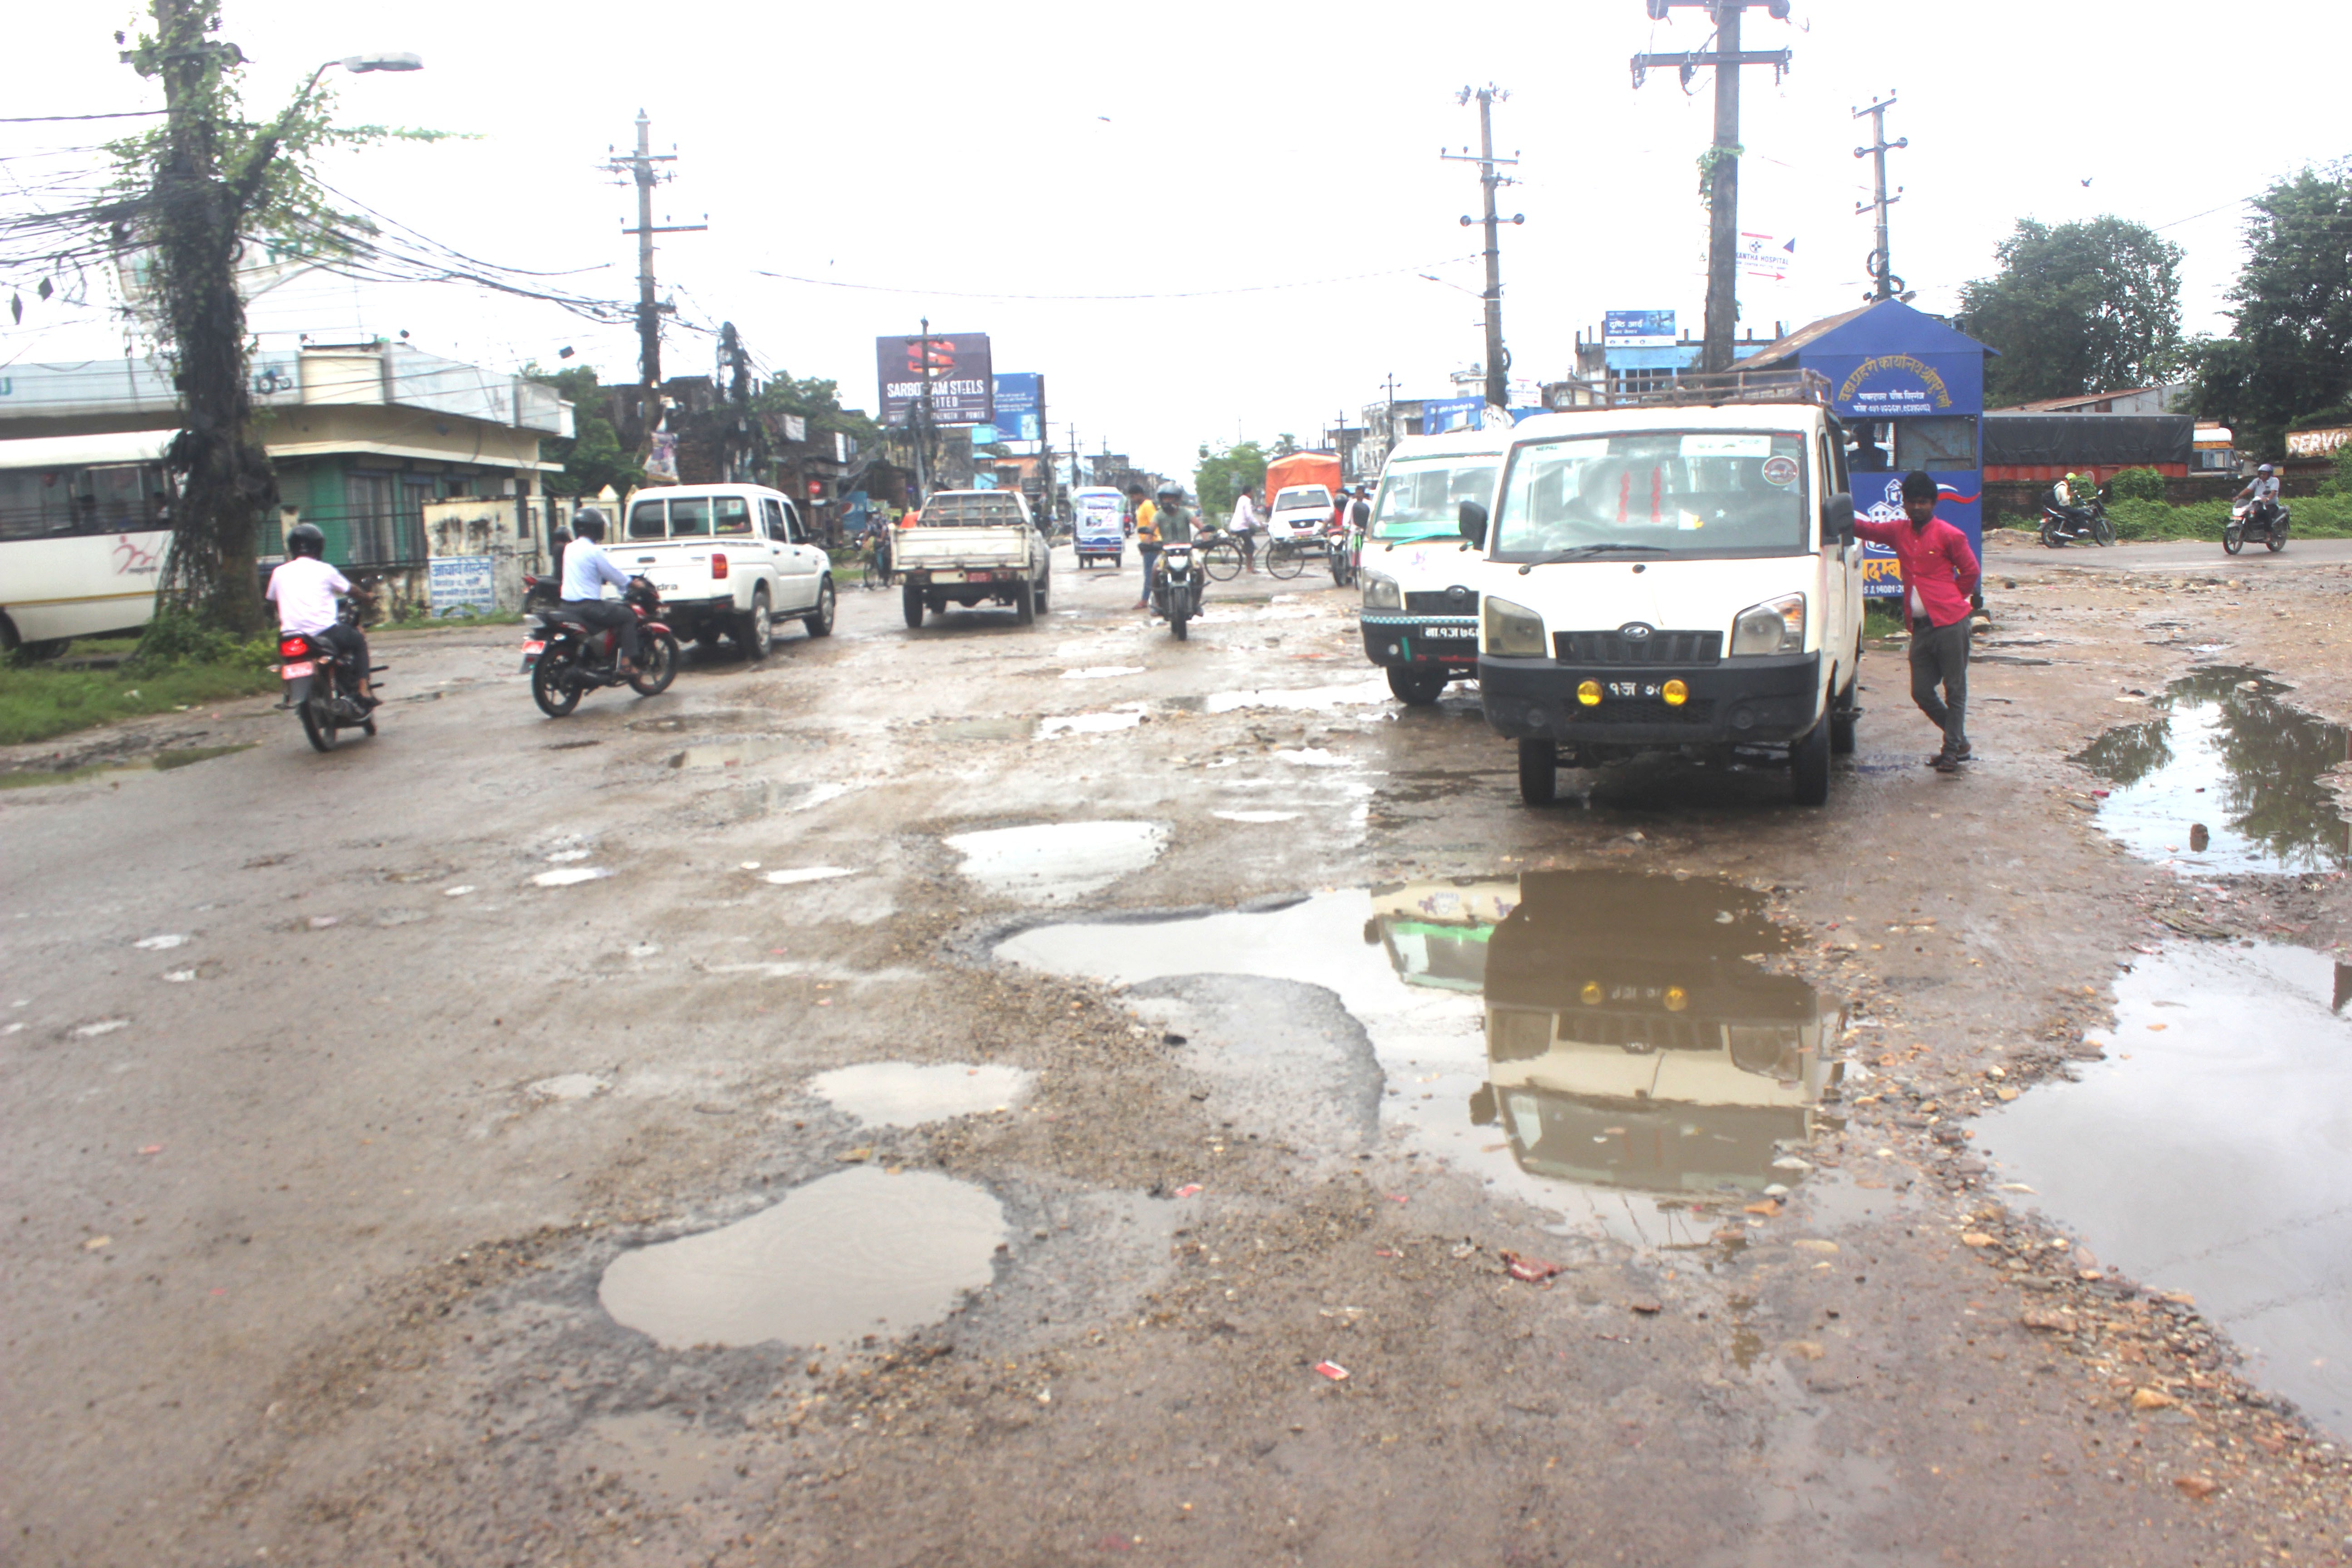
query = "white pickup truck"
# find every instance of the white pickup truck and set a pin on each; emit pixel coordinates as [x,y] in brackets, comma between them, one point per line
[730,560]
[971,545]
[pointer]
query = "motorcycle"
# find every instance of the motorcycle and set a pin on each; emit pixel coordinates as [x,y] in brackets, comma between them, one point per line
[2242,527]
[566,658]
[541,594]
[1346,547]
[2060,527]
[321,686]
[1176,588]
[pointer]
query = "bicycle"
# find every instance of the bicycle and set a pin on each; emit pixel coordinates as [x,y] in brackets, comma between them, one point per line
[1286,558]
[1220,555]
[876,560]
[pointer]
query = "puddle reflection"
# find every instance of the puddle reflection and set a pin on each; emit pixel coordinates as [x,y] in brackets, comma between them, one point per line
[2226,777]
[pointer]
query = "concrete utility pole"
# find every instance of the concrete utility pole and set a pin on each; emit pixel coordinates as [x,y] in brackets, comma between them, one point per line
[1881,265]
[641,168]
[1498,361]
[1722,162]
[920,416]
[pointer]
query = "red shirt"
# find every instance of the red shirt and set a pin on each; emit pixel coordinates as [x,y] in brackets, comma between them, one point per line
[1937,565]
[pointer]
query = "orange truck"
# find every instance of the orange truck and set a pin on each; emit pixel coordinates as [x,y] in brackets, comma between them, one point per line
[1299,491]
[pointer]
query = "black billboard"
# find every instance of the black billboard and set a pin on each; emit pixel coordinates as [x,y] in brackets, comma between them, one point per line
[963,382]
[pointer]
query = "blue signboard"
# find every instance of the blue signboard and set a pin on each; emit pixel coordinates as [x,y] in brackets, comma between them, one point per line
[1440,414]
[1637,329]
[461,585]
[1018,395]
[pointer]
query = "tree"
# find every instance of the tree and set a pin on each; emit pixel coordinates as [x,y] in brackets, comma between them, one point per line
[592,457]
[2290,350]
[2081,307]
[1220,476]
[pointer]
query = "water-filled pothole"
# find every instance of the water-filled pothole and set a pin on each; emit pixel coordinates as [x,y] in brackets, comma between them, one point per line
[1605,1029]
[2225,777]
[863,1252]
[1054,862]
[905,1094]
[2211,1153]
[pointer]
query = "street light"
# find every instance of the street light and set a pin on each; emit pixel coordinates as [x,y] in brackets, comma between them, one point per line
[358,65]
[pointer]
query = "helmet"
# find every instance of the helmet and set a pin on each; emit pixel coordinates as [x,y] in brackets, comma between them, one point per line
[588,523]
[1171,490]
[2264,470]
[305,539]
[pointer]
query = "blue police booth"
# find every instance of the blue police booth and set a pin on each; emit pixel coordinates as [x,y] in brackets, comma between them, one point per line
[1910,390]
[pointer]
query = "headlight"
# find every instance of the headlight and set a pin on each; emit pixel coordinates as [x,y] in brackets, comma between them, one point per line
[1777,627]
[1513,631]
[1382,593]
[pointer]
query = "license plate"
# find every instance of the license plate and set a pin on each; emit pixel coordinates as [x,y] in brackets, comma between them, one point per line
[294,672]
[1632,688]
[1450,634]
[531,648]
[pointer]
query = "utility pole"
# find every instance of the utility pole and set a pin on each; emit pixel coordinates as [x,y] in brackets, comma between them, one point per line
[920,416]
[641,169]
[1498,361]
[1881,265]
[1722,161]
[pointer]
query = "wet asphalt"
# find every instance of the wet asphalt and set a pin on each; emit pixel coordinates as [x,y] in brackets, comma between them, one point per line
[439,1150]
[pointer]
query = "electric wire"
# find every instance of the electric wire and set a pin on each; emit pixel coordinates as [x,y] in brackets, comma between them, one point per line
[1113,299]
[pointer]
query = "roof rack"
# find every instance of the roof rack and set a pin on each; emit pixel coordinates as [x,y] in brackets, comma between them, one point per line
[1708,388]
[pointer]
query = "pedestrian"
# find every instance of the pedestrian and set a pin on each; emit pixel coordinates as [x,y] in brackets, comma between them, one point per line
[1147,539]
[1941,572]
[1245,526]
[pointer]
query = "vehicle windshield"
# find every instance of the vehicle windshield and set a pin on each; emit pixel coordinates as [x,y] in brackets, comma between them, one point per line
[1696,492]
[1304,498]
[1419,498]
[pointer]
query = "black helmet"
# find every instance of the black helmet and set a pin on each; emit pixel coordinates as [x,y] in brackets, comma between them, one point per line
[305,539]
[1170,489]
[588,523]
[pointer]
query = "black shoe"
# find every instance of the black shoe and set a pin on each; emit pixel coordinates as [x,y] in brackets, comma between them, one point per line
[1944,763]
[1962,752]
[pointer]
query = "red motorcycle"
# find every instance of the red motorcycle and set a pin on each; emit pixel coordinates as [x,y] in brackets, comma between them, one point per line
[566,658]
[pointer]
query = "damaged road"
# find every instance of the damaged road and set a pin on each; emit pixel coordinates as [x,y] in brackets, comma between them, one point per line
[1061,1095]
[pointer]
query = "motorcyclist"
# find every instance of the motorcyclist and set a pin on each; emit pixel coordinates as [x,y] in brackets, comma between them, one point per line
[1173,524]
[2072,495]
[586,570]
[304,588]
[2263,491]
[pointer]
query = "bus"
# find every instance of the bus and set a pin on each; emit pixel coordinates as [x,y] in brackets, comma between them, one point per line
[84,523]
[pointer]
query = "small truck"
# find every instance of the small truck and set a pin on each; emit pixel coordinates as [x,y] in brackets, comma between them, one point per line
[973,545]
[729,561]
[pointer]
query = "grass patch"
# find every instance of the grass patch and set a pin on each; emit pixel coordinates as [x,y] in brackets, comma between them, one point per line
[39,700]
[418,618]
[1881,619]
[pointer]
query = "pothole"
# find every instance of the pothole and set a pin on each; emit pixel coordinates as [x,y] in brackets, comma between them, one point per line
[2225,777]
[1126,718]
[1307,698]
[1055,862]
[1567,1033]
[906,1094]
[2208,1153]
[861,1252]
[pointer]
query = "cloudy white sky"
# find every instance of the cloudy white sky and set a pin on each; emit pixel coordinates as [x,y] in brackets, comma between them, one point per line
[928,150]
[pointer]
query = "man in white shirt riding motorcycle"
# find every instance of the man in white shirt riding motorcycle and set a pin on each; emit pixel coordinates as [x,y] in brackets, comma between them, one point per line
[586,570]
[304,588]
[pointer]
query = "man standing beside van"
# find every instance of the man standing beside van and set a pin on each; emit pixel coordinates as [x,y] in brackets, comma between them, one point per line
[1941,572]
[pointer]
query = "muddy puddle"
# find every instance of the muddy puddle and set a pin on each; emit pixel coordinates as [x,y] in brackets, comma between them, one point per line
[1102,724]
[2211,1153]
[1055,862]
[1578,1036]
[908,1094]
[1306,698]
[863,1252]
[2225,776]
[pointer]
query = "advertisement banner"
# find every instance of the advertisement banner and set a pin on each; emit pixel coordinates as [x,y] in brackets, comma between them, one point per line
[1901,386]
[1637,329]
[1020,395]
[1764,257]
[962,381]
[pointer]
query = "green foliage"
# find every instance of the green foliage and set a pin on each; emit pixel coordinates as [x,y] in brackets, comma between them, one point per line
[1284,445]
[2339,483]
[2322,419]
[176,639]
[2314,517]
[592,457]
[2290,350]
[1220,476]
[2084,306]
[818,401]
[2137,484]
[188,667]
[1707,163]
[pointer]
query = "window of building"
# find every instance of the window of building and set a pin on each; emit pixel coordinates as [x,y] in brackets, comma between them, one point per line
[1935,443]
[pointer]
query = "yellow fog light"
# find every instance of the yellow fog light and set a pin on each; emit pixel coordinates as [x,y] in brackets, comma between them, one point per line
[1591,994]
[1675,693]
[1589,693]
[1676,998]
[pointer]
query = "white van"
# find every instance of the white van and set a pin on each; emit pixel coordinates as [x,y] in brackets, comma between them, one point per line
[1420,574]
[1678,577]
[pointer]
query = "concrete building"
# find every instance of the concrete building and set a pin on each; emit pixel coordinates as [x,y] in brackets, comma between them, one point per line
[364,436]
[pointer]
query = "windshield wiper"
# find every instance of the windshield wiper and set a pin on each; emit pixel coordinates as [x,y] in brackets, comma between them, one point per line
[1582,550]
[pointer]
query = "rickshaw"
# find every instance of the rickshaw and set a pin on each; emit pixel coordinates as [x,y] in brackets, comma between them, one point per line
[1099,532]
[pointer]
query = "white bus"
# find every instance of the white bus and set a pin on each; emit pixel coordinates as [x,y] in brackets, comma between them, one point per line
[84,521]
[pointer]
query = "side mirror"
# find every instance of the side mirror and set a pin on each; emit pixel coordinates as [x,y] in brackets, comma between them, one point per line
[1473,523]
[1837,518]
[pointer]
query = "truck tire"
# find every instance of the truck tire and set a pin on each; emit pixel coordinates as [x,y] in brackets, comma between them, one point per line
[910,599]
[1842,714]
[1809,765]
[1024,604]
[1539,771]
[1045,595]
[819,621]
[1416,687]
[755,629]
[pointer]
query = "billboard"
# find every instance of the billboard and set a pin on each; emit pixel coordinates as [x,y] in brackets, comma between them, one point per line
[1020,395]
[1766,257]
[1637,329]
[962,381]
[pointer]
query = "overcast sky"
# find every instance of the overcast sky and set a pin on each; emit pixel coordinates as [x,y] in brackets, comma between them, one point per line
[927,150]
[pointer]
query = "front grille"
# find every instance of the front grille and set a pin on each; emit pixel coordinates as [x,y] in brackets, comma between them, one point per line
[1658,648]
[1442,602]
[1644,710]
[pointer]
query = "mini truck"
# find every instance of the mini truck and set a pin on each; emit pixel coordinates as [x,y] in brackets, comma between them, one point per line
[1677,574]
[728,561]
[973,545]
[1420,575]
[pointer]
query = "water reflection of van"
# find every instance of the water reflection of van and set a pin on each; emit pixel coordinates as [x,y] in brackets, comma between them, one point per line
[1629,1043]
[1435,932]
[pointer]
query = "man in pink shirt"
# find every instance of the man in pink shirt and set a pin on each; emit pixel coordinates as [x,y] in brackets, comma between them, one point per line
[1941,573]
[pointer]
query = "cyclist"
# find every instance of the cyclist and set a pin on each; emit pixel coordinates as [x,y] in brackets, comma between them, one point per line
[1244,527]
